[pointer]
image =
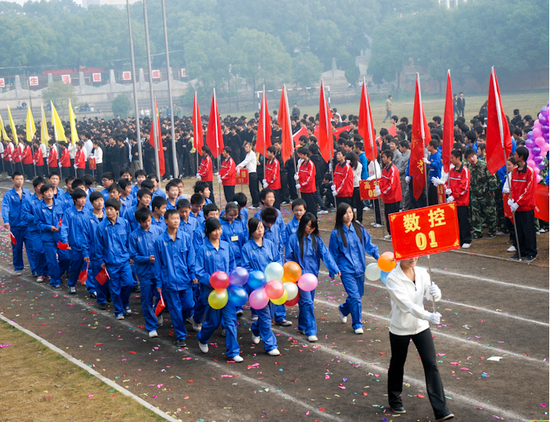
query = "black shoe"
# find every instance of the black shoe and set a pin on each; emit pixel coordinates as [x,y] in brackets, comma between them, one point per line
[490,236]
[477,236]
[102,306]
[515,256]
[398,409]
[109,298]
[136,289]
[445,418]
[530,258]
[180,343]
[93,295]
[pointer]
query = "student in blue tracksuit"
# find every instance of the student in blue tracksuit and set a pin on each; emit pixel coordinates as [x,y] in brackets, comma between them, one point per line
[298,209]
[12,204]
[140,176]
[34,242]
[156,183]
[349,241]
[267,198]
[187,223]
[256,254]
[48,214]
[95,217]
[172,193]
[74,231]
[107,179]
[142,252]
[79,184]
[197,202]
[112,250]
[175,269]
[158,208]
[216,255]
[143,201]
[241,199]
[209,211]
[435,164]
[306,248]
[128,200]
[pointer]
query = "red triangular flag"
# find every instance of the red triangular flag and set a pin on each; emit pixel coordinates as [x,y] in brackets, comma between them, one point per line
[83,276]
[102,276]
[13,239]
[296,136]
[214,136]
[365,125]
[62,246]
[263,137]
[197,125]
[160,306]
[60,222]
[283,118]
[499,142]
[448,126]
[420,138]
[326,143]
[159,140]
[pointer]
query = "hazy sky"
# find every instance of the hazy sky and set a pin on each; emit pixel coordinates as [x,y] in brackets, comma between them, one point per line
[79,2]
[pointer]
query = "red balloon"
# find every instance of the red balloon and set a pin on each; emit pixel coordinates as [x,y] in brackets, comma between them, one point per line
[274,289]
[293,301]
[219,280]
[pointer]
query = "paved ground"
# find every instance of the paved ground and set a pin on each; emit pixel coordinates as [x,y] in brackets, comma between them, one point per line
[492,347]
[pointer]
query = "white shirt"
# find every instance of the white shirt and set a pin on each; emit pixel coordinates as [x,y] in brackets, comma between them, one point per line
[249,162]
[72,150]
[357,174]
[374,169]
[88,145]
[98,155]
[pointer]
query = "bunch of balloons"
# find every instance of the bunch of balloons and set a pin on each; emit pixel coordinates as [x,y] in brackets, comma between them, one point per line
[380,270]
[228,288]
[537,142]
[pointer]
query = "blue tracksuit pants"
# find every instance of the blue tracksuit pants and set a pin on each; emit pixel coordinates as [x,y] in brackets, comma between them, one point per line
[20,234]
[147,293]
[227,317]
[121,284]
[180,305]
[306,316]
[262,328]
[355,288]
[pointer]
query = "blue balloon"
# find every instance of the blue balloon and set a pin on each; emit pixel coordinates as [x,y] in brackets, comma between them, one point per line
[237,295]
[238,276]
[384,276]
[256,279]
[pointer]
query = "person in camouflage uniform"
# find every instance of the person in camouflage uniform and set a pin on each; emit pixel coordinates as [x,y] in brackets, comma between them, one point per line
[483,186]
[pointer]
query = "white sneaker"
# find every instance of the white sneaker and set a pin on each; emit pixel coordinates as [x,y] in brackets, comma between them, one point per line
[274,352]
[196,327]
[323,212]
[359,331]
[499,233]
[312,339]
[39,279]
[373,223]
[366,208]
[237,358]
[203,347]
[153,334]
[387,237]
[254,318]
[466,245]
[377,226]
[511,249]
[160,320]
[256,339]
[343,318]
[120,317]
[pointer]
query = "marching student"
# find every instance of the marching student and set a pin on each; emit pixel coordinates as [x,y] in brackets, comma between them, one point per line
[306,248]
[205,172]
[209,211]
[458,191]
[115,191]
[342,185]
[11,214]
[172,193]
[197,203]
[8,158]
[128,200]
[35,249]
[306,180]
[175,269]
[234,230]
[349,241]
[298,209]
[80,159]
[142,252]
[65,160]
[94,219]
[187,223]
[140,176]
[38,159]
[241,199]
[272,177]
[216,255]
[389,188]
[155,188]
[27,160]
[107,180]
[204,189]
[143,201]
[256,254]
[112,251]
[53,157]
[159,209]
[228,174]
[53,180]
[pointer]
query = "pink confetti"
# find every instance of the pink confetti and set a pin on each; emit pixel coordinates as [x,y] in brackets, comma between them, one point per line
[5,345]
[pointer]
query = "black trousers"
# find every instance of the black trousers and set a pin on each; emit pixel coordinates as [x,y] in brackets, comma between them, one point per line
[358,204]
[377,214]
[464,225]
[41,171]
[527,236]
[425,346]
[417,203]
[432,194]
[212,198]
[390,209]
[278,201]
[29,171]
[284,187]
[311,203]
[346,199]
[229,193]
[253,186]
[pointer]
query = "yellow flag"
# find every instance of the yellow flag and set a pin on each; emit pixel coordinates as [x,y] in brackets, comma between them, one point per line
[72,118]
[44,137]
[31,128]
[13,130]
[3,130]
[58,129]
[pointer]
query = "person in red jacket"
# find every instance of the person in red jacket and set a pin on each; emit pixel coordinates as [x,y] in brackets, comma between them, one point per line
[27,160]
[53,159]
[38,159]
[522,204]
[228,174]
[342,183]
[273,175]
[80,160]
[8,158]
[205,170]
[458,191]
[390,187]
[306,180]
[16,155]
[65,160]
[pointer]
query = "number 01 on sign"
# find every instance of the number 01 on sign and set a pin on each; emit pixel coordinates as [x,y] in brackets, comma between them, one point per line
[425,231]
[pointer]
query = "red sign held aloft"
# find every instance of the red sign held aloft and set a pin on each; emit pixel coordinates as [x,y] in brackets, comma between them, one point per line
[242,177]
[367,189]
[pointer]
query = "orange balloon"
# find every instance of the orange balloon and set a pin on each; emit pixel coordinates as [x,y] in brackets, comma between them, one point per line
[386,261]
[292,272]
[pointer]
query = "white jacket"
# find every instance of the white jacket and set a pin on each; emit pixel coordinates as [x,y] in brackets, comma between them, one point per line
[408,315]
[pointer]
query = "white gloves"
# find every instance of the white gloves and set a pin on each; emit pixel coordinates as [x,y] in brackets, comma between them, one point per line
[198,177]
[75,166]
[448,191]
[264,184]
[298,186]
[435,291]
[408,179]
[426,161]
[296,177]
[450,199]
[437,181]
[513,206]
[435,318]
[371,178]
[219,179]
[334,191]
[378,191]
[505,188]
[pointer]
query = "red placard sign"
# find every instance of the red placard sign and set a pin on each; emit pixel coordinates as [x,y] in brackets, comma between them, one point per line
[367,189]
[507,210]
[92,164]
[96,77]
[2,83]
[126,76]
[33,81]
[424,231]
[441,198]
[183,74]
[66,79]
[156,74]
[541,208]
[242,177]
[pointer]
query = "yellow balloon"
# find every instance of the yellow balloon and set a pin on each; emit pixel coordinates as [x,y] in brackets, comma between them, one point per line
[281,300]
[217,299]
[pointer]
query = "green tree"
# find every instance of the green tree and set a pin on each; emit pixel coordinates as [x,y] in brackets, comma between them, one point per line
[306,69]
[60,93]
[121,105]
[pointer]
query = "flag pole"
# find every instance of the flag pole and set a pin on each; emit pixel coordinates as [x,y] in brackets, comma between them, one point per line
[217,115]
[263,116]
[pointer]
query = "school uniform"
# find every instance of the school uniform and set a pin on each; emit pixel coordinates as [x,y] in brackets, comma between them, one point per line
[11,213]
[199,218]
[130,216]
[27,160]
[35,249]
[291,227]
[38,160]
[65,163]
[306,180]
[228,175]
[189,226]
[74,231]
[170,206]
[206,174]
[46,218]
[309,262]
[159,223]
[343,183]
[112,249]
[142,246]
[273,179]
[390,186]
[351,261]
[156,193]
[523,193]
[200,304]
[175,269]
[105,193]
[209,260]
[435,167]
[459,184]
[80,162]
[102,290]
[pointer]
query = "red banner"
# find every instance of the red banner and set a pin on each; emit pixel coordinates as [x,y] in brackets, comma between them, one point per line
[441,198]
[541,209]
[242,177]
[367,189]
[92,164]
[507,210]
[425,231]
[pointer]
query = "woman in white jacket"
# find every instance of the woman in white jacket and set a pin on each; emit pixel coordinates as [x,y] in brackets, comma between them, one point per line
[408,285]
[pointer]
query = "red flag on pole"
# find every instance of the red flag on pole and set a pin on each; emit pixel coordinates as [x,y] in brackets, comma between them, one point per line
[13,239]
[160,306]
[102,276]
[296,136]
[214,137]
[326,143]
[499,142]
[420,138]
[448,126]
[365,125]
[160,151]
[197,125]
[62,246]
[283,118]
[263,137]
[83,276]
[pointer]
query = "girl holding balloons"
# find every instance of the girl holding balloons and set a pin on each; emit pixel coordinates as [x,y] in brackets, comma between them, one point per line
[349,241]
[214,258]
[257,253]
[306,248]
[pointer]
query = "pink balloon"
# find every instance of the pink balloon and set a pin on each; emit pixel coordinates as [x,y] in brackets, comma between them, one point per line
[258,298]
[544,148]
[308,282]
[540,141]
[531,163]
[537,124]
[537,132]
[536,169]
[274,289]
[538,178]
